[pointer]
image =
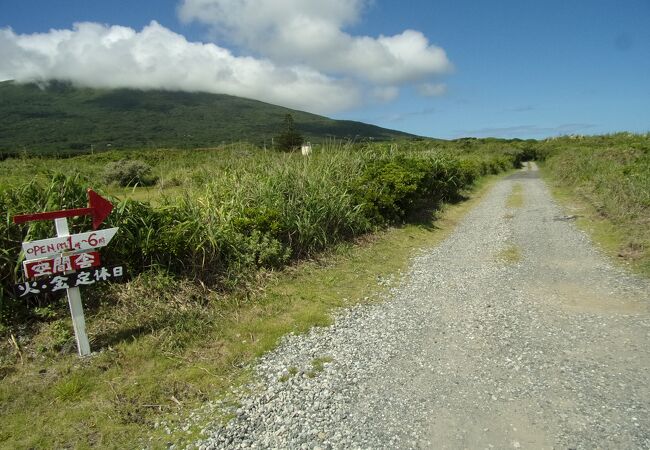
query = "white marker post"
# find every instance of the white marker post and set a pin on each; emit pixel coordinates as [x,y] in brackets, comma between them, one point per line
[74,300]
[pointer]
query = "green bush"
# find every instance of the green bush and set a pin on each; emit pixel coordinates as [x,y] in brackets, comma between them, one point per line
[129,173]
[390,189]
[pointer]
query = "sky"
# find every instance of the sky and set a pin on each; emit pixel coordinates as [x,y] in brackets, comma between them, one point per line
[446,69]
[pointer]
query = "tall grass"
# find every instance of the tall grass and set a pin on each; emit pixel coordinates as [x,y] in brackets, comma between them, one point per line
[249,209]
[613,174]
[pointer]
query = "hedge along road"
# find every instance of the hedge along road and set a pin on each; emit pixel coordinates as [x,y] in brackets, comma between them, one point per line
[513,333]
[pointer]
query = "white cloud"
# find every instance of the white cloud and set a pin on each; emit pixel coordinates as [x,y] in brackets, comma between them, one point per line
[302,57]
[432,89]
[311,32]
[101,56]
[385,93]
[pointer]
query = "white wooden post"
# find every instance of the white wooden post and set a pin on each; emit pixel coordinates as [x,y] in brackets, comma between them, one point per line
[74,300]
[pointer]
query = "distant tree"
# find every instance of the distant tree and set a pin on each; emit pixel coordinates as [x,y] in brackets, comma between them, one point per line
[289,138]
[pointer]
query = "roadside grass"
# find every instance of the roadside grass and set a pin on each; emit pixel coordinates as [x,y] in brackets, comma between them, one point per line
[605,180]
[234,211]
[624,243]
[510,255]
[291,371]
[318,365]
[516,197]
[168,346]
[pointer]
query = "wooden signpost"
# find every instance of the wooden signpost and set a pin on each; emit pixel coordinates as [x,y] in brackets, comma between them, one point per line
[64,262]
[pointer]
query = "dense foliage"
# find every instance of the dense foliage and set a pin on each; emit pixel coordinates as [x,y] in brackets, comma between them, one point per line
[611,172]
[251,210]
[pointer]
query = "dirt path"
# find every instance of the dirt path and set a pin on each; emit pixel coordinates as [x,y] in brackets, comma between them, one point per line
[513,333]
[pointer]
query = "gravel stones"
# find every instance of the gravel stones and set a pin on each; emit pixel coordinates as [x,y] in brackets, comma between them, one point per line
[469,351]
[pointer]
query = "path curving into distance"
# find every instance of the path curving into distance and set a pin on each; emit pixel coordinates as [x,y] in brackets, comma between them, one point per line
[513,333]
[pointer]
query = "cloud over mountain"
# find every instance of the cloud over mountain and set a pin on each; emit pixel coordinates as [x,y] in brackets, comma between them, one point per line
[101,56]
[292,52]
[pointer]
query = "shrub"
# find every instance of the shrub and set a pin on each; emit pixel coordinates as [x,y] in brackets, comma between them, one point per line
[129,173]
[391,188]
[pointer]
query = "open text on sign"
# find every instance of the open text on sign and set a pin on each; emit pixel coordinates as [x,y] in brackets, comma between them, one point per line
[75,242]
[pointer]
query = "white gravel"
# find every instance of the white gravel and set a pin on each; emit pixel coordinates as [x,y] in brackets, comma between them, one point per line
[470,350]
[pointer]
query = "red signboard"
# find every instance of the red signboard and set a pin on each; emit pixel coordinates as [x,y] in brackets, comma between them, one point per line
[61,264]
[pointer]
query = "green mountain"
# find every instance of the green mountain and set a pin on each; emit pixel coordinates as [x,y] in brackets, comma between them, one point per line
[61,118]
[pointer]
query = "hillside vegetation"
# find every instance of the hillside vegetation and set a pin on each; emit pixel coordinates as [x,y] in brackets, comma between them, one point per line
[609,176]
[59,118]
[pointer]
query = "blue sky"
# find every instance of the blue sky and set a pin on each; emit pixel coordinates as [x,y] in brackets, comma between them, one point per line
[466,68]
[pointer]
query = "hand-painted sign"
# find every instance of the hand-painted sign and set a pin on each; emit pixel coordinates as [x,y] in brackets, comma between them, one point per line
[75,242]
[68,281]
[99,208]
[66,250]
[61,264]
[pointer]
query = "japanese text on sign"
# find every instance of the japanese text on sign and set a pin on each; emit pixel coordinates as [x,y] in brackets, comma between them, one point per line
[60,282]
[61,264]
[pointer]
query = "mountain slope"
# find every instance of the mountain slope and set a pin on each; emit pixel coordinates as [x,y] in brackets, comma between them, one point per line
[63,118]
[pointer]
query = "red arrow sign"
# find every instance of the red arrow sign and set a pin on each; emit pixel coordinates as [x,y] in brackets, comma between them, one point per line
[99,208]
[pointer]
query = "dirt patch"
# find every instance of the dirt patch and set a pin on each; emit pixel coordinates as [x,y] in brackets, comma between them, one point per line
[505,427]
[579,298]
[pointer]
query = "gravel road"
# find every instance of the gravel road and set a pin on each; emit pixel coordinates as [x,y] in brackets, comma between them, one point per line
[513,333]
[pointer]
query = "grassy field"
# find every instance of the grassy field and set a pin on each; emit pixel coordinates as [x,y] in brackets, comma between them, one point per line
[227,251]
